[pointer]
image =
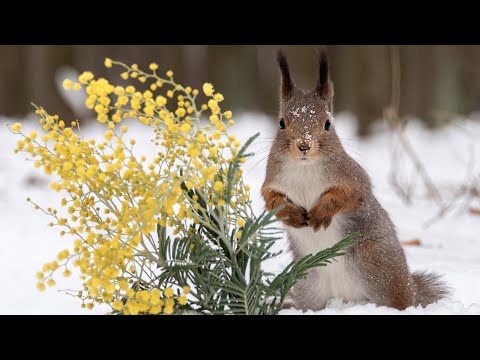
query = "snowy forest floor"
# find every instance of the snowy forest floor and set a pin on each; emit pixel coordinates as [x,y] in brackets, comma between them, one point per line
[450,246]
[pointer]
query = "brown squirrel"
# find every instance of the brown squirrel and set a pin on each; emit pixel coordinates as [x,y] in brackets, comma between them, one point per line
[326,196]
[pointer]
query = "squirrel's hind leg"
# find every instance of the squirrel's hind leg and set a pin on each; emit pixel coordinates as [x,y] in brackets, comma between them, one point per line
[382,269]
[289,302]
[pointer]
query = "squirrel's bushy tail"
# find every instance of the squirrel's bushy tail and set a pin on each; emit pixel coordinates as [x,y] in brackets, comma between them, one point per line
[429,288]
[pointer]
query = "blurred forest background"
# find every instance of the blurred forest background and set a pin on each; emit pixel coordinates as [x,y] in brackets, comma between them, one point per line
[437,82]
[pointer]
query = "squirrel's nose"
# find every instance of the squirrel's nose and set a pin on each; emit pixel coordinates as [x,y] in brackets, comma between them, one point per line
[304,146]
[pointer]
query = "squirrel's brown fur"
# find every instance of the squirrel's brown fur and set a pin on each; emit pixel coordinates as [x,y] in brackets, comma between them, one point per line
[328,195]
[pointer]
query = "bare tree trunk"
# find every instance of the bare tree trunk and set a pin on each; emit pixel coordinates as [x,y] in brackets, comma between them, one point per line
[268,79]
[196,64]
[343,77]
[13,81]
[372,74]
[43,62]
[231,69]
[446,92]
[417,82]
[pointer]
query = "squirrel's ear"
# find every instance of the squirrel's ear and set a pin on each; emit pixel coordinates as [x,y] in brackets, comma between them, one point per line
[324,86]
[287,84]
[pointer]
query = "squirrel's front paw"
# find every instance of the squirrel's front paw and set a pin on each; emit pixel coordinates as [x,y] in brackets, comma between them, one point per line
[319,218]
[297,216]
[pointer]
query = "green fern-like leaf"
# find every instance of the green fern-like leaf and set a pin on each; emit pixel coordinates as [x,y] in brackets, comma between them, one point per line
[225,273]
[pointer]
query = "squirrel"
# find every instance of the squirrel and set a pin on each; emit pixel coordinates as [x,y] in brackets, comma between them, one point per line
[327,195]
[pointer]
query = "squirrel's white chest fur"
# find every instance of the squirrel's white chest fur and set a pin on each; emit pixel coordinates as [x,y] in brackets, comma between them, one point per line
[304,184]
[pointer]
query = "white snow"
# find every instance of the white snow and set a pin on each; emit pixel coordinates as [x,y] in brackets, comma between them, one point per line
[296,112]
[450,246]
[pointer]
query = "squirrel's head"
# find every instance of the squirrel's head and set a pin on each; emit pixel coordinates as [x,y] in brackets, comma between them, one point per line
[306,130]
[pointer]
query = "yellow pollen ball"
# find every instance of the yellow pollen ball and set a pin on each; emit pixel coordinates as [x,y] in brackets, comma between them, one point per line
[168,292]
[108,135]
[67,84]
[168,310]
[16,127]
[182,300]
[218,186]
[117,305]
[208,89]
[41,287]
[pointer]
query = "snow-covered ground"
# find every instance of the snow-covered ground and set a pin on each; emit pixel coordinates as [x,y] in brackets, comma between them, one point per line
[450,246]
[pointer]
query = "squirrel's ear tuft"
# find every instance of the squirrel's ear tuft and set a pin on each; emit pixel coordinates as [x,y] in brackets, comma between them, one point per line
[287,84]
[324,84]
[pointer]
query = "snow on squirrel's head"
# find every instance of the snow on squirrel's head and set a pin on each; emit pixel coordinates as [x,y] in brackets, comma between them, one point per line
[306,130]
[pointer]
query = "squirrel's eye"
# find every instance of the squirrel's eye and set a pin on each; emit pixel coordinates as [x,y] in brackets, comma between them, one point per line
[327,125]
[282,124]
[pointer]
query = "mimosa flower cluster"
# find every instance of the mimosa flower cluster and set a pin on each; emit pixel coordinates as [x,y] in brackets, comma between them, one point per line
[114,201]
